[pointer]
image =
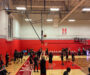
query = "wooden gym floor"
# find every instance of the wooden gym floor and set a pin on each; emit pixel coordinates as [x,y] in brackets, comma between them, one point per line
[82,61]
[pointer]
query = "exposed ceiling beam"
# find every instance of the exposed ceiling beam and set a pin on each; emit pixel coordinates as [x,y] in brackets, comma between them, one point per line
[44,4]
[34,11]
[73,10]
[40,7]
[31,4]
[56,3]
[39,0]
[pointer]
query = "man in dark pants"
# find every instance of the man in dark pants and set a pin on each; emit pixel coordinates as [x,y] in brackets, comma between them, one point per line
[66,55]
[15,55]
[84,51]
[7,59]
[67,71]
[27,52]
[35,62]
[69,52]
[43,66]
[89,70]
[3,71]
[50,60]
[21,56]
[79,51]
[1,64]
[47,51]
[73,57]
[62,58]
[39,53]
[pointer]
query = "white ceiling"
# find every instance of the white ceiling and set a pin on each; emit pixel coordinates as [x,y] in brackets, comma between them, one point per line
[66,6]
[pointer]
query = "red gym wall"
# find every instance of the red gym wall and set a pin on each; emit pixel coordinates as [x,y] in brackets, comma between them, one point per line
[10,46]
[50,44]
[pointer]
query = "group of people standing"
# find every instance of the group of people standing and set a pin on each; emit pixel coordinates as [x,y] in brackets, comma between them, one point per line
[66,53]
[3,71]
[36,59]
[18,56]
[82,52]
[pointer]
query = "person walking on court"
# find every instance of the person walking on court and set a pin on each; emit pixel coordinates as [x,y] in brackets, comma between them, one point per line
[35,62]
[7,59]
[15,55]
[46,52]
[62,58]
[50,60]
[67,56]
[69,51]
[79,51]
[73,57]
[89,70]
[43,66]
[21,56]
[3,71]
[67,71]
[31,61]
[39,53]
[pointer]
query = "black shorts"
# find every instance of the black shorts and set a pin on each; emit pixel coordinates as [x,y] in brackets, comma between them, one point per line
[61,58]
[14,58]
[73,59]
[50,61]
[31,62]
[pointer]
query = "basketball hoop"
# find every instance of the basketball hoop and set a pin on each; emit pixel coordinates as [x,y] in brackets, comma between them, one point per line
[45,44]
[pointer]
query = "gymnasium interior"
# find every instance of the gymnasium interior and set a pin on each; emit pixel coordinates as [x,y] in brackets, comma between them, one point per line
[53,25]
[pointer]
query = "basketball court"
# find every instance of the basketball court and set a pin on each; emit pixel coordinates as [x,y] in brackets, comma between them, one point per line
[56,25]
[58,68]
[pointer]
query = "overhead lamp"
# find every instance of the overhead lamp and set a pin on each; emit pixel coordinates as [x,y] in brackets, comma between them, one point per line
[86,9]
[54,9]
[28,19]
[71,20]
[49,20]
[20,8]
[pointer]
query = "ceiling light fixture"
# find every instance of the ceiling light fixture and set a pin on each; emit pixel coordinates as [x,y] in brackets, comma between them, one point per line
[28,19]
[49,20]
[71,20]
[54,9]
[20,8]
[86,9]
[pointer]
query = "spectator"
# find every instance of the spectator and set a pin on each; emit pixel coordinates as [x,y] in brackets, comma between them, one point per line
[47,51]
[66,55]
[31,61]
[15,55]
[3,71]
[62,57]
[35,62]
[73,57]
[79,51]
[89,70]
[67,71]
[7,59]
[43,66]
[50,59]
